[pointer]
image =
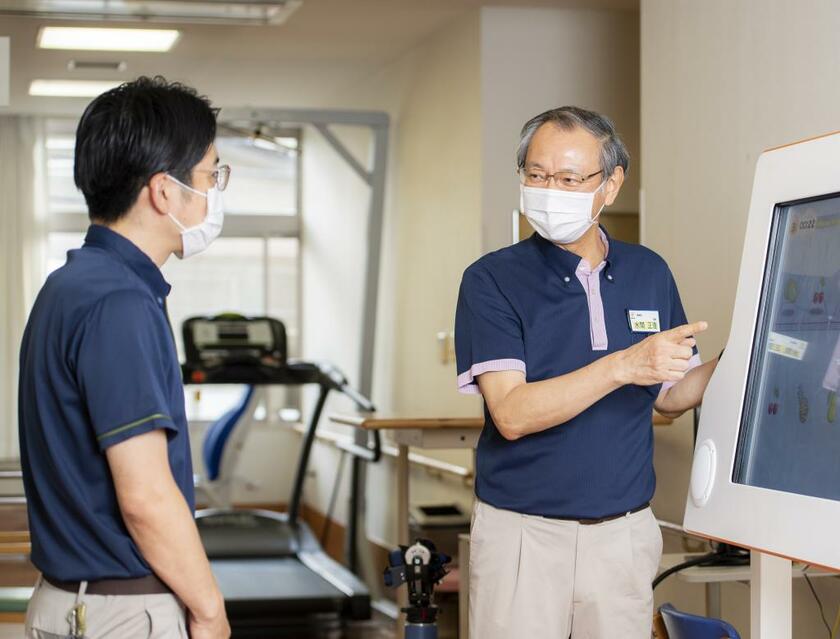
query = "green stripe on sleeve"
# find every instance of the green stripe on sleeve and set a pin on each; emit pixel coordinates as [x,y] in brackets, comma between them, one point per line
[139,422]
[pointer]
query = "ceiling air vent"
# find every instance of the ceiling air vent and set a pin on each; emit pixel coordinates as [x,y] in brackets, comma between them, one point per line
[93,65]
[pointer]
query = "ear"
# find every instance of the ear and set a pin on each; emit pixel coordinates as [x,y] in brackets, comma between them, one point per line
[163,194]
[613,185]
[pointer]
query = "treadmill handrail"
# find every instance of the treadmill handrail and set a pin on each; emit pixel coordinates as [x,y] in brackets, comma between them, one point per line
[367,453]
[305,452]
[328,377]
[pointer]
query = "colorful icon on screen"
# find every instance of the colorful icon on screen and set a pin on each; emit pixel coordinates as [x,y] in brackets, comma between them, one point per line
[803,405]
[832,407]
[791,294]
[791,290]
[773,407]
[818,299]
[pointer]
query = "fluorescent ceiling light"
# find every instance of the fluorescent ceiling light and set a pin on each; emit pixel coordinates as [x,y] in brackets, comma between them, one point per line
[97,39]
[239,12]
[71,88]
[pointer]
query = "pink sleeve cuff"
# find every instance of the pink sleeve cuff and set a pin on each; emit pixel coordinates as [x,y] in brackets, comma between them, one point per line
[693,363]
[466,380]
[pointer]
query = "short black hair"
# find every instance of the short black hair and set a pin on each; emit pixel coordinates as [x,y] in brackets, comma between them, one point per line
[133,131]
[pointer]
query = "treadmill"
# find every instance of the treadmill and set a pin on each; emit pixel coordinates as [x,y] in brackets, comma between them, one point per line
[276,579]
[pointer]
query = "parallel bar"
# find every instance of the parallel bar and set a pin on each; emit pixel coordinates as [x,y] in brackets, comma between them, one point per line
[430,463]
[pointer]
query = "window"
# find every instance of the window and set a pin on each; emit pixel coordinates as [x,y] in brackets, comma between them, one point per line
[252,269]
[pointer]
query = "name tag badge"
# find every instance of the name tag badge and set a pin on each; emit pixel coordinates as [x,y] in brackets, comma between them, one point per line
[643,321]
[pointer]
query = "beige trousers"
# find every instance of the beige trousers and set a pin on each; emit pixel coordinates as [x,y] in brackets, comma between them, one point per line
[108,617]
[538,578]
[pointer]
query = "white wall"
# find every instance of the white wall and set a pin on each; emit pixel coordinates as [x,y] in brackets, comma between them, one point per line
[536,59]
[721,82]
[438,156]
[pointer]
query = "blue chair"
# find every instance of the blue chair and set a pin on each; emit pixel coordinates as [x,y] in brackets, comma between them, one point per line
[220,432]
[221,450]
[681,625]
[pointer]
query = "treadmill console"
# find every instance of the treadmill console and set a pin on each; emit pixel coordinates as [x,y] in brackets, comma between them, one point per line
[233,346]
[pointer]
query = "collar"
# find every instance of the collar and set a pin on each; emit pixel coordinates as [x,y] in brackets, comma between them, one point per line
[567,264]
[104,238]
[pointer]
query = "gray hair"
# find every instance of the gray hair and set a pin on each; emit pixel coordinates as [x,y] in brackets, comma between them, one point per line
[613,151]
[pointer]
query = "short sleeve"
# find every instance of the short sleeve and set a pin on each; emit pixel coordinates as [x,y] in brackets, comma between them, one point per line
[677,318]
[488,331]
[120,368]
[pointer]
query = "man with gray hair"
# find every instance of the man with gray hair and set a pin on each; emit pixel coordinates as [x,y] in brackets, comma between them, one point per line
[573,339]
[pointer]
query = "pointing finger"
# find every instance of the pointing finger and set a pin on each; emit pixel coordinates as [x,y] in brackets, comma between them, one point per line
[687,330]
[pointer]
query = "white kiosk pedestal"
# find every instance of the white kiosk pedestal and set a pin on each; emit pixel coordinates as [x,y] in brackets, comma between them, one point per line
[770,597]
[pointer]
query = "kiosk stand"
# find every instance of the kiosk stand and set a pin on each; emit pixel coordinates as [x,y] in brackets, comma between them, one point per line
[770,596]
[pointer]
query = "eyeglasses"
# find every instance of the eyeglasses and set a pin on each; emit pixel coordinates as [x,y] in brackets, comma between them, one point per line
[220,175]
[564,179]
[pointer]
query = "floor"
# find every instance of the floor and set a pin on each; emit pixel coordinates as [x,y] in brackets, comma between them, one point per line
[377,628]
[10,631]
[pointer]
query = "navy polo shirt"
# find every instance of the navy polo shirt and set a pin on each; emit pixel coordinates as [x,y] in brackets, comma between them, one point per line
[97,366]
[542,310]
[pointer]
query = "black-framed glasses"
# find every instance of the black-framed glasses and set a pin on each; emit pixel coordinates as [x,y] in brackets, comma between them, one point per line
[220,175]
[564,179]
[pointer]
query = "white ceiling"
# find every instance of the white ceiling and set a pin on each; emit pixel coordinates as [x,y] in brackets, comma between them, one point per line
[325,45]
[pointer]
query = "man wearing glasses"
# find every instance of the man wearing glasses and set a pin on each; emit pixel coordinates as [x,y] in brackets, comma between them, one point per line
[572,338]
[103,431]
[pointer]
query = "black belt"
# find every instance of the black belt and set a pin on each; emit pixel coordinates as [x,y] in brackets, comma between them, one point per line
[148,585]
[601,520]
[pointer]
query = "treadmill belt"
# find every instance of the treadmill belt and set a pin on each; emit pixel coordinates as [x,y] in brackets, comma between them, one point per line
[278,585]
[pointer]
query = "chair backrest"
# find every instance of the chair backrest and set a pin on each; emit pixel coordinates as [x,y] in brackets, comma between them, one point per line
[682,625]
[219,433]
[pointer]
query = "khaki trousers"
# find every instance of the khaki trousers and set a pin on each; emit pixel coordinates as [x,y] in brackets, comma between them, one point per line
[538,578]
[108,616]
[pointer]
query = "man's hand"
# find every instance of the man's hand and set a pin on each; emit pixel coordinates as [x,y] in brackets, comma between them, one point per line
[215,627]
[662,357]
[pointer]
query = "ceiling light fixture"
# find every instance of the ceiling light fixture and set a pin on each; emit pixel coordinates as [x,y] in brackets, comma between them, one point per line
[98,39]
[71,88]
[236,12]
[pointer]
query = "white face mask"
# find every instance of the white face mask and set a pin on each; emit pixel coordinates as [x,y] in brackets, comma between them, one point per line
[559,216]
[197,238]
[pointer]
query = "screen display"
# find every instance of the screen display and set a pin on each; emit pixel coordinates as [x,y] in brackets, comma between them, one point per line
[790,430]
[246,333]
